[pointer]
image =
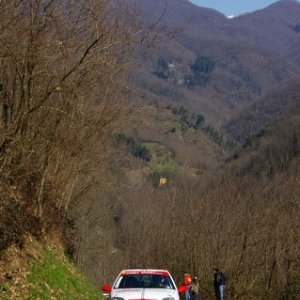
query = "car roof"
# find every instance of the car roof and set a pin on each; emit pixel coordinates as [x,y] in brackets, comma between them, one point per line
[145,271]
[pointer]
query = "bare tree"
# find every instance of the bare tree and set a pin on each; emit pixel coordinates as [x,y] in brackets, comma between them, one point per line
[62,96]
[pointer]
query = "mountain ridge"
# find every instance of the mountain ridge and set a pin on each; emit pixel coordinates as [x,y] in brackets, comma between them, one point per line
[248,62]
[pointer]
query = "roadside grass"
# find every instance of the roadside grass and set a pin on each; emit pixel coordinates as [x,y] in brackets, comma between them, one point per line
[47,275]
[56,278]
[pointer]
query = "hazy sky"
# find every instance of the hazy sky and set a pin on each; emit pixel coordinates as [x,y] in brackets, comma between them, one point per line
[234,7]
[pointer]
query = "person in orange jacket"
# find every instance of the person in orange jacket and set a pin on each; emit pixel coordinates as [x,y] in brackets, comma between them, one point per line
[187,282]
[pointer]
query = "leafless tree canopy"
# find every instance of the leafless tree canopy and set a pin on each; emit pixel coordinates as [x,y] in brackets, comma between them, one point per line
[62,95]
[249,227]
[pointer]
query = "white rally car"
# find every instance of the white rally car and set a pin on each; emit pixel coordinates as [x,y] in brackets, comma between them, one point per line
[144,284]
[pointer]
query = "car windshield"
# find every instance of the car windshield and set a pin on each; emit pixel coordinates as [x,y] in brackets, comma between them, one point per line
[144,281]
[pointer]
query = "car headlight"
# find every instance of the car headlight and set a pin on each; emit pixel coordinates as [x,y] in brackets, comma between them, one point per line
[118,298]
[168,298]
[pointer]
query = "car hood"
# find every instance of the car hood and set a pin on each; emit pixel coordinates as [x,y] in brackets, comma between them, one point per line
[145,294]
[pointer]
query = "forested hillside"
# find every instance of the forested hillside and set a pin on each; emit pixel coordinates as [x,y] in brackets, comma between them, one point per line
[222,65]
[62,95]
[152,134]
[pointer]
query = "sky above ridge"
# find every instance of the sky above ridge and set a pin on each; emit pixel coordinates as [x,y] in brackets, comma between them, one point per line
[234,7]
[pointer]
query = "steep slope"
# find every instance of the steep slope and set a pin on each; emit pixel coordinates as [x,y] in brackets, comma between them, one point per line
[265,110]
[250,54]
[40,270]
[276,28]
[232,72]
[273,151]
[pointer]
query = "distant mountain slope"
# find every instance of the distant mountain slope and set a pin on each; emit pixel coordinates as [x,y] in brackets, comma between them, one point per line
[251,54]
[266,110]
[274,149]
[180,12]
[238,74]
[276,28]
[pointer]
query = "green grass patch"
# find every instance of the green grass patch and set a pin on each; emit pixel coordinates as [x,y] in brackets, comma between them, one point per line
[53,277]
[163,163]
[4,297]
[169,166]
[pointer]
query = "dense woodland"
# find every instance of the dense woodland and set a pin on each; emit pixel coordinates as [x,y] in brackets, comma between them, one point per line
[62,96]
[92,115]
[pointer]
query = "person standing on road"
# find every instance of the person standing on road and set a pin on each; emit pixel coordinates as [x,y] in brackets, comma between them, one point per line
[219,284]
[187,281]
[195,289]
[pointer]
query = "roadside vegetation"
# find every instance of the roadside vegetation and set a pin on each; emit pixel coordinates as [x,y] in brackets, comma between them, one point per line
[40,270]
[62,96]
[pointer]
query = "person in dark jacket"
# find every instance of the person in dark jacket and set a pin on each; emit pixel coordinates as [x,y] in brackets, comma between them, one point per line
[219,284]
